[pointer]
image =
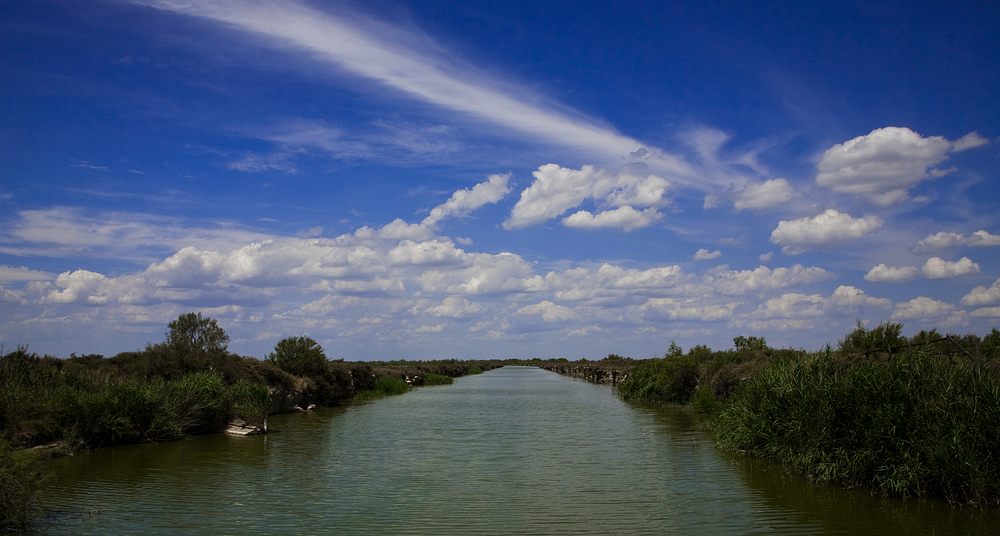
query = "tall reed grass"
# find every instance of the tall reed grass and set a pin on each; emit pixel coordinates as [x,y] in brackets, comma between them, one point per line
[384,386]
[914,424]
[437,379]
[42,401]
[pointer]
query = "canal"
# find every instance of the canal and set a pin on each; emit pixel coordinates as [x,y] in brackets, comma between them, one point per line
[516,450]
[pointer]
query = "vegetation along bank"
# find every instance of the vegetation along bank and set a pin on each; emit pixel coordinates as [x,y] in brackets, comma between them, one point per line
[903,417]
[187,385]
[909,417]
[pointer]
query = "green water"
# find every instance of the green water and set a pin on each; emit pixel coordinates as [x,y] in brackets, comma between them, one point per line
[517,450]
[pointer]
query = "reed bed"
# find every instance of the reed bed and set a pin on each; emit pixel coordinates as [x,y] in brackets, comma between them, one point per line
[437,379]
[910,425]
[384,386]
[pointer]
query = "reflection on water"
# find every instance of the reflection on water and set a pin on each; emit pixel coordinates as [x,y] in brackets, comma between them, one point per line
[516,450]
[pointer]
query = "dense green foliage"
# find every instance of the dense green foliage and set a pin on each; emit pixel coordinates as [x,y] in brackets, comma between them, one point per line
[911,425]
[678,377]
[671,379]
[45,400]
[903,417]
[885,335]
[300,356]
[191,332]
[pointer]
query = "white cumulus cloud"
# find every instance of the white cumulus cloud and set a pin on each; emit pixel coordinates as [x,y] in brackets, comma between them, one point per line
[763,278]
[463,202]
[946,239]
[891,274]
[425,253]
[667,309]
[938,268]
[451,307]
[922,309]
[830,227]
[10,273]
[625,218]
[988,312]
[885,164]
[549,311]
[704,255]
[557,189]
[770,193]
[848,297]
[982,295]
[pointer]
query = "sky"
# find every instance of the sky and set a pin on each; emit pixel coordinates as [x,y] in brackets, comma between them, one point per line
[474,180]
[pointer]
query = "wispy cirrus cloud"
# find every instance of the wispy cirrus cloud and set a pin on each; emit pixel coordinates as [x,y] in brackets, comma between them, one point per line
[73,232]
[417,67]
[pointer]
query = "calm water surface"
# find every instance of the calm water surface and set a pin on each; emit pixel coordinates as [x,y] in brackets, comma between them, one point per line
[516,450]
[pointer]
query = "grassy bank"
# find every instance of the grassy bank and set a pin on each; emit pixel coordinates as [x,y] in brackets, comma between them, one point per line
[903,417]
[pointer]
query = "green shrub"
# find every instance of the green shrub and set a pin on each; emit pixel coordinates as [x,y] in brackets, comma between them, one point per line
[670,379]
[300,356]
[474,370]
[192,332]
[886,335]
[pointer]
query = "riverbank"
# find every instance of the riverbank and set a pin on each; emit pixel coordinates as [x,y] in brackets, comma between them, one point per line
[517,450]
[611,370]
[53,407]
[188,385]
[903,417]
[916,417]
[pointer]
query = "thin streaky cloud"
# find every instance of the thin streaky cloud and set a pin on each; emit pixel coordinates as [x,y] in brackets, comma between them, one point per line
[427,78]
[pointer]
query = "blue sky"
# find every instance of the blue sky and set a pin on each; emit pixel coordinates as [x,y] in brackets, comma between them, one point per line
[431,180]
